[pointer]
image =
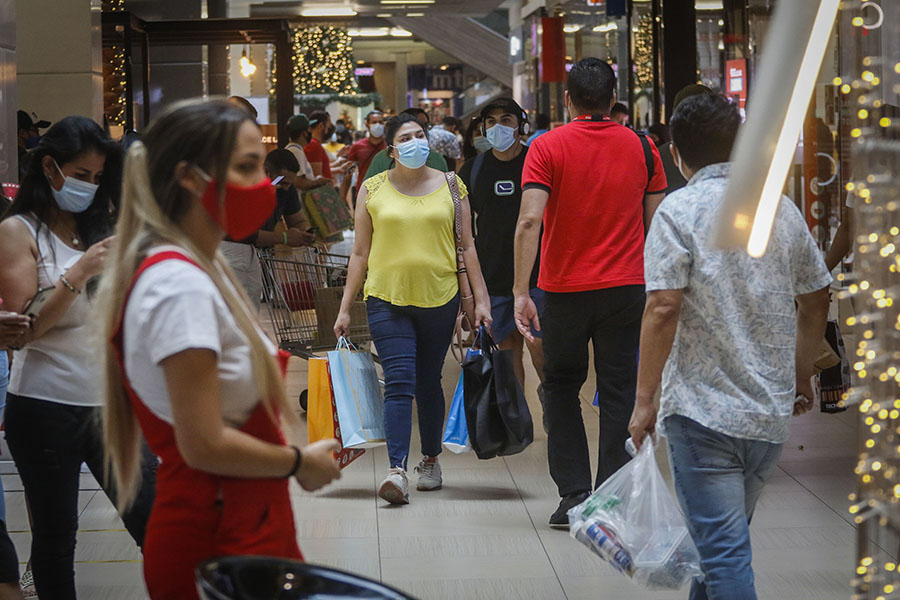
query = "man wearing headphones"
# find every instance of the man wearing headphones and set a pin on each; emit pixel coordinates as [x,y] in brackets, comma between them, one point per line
[494,180]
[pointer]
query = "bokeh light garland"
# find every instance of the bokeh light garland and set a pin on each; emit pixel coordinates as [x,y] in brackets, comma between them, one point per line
[114,74]
[874,289]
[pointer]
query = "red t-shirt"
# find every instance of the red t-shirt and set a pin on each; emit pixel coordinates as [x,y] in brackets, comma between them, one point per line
[315,153]
[363,152]
[596,174]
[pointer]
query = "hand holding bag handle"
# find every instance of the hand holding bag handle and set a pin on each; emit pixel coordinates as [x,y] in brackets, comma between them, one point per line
[466,296]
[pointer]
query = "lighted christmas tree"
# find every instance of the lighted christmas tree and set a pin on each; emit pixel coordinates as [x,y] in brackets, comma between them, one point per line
[323,61]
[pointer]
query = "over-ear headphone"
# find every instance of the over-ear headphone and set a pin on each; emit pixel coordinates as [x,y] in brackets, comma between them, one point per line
[524,125]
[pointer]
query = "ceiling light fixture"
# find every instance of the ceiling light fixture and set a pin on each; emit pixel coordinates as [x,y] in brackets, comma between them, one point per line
[572,28]
[368,31]
[328,11]
[795,47]
[415,14]
[400,32]
[606,27]
[247,67]
[407,1]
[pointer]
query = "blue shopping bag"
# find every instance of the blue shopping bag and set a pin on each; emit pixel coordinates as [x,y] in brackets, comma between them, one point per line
[357,396]
[456,433]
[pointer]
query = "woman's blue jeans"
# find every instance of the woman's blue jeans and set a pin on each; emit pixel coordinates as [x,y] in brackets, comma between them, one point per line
[4,383]
[412,343]
[718,479]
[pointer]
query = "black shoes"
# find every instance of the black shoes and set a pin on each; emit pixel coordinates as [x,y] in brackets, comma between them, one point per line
[560,519]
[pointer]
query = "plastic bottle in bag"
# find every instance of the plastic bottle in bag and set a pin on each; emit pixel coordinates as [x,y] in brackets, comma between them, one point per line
[602,541]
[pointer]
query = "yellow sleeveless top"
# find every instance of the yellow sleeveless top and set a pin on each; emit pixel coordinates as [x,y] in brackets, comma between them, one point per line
[412,261]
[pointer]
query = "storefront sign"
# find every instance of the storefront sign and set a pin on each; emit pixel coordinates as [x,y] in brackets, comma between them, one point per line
[737,81]
[616,8]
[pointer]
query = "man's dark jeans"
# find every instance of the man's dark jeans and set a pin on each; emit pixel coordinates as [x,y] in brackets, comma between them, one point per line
[49,441]
[610,319]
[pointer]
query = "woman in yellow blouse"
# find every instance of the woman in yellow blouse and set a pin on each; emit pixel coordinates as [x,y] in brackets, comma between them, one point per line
[405,242]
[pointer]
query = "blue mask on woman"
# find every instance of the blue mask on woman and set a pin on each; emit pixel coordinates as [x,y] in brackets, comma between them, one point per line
[501,137]
[481,143]
[75,196]
[413,153]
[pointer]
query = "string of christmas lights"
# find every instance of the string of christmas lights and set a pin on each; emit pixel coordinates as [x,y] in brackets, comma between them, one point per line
[114,74]
[643,52]
[874,288]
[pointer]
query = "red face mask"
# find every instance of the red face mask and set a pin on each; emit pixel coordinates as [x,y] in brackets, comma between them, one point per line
[246,208]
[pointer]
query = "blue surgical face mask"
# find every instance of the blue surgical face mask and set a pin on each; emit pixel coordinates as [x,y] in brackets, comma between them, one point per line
[501,137]
[413,153]
[32,141]
[340,128]
[75,196]
[481,143]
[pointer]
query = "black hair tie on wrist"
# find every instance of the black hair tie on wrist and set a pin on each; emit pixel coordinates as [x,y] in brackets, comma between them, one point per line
[298,460]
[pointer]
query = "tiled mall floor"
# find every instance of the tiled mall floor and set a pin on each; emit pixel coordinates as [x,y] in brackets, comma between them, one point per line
[485,535]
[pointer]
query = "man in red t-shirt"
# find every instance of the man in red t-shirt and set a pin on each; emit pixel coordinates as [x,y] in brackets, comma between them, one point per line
[315,153]
[596,184]
[363,151]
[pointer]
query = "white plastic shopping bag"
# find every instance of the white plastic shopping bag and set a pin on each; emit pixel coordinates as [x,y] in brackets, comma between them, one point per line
[633,523]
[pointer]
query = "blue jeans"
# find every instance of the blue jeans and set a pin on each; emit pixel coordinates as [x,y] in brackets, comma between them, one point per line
[718,479]
[4,383]
[412,343]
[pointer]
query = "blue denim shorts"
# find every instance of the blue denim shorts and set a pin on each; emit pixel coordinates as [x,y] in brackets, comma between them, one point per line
[503,313]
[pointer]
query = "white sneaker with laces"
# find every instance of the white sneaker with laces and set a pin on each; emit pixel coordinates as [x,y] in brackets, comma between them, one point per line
[27,585]
[395,487]
[429,471]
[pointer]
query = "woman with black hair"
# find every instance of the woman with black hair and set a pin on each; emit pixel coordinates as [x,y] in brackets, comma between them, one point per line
[473,142]
[55,237]
[405,250]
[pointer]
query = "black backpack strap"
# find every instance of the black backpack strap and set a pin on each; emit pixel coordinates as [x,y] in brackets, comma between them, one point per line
[476,168]
[648,156]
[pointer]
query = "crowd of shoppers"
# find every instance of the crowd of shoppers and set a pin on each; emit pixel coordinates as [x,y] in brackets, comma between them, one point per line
[568,246]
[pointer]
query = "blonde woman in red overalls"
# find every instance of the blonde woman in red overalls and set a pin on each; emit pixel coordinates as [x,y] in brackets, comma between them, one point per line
[186,362]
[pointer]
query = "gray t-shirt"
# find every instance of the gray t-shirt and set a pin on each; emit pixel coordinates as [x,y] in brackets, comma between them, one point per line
[732,366]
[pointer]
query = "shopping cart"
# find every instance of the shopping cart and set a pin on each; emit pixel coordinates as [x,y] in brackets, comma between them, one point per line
[303,289]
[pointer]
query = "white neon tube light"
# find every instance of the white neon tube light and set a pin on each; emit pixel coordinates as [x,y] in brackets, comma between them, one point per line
[795,47]
[790,131]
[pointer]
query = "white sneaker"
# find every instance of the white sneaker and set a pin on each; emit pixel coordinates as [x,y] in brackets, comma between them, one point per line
[27,585]
[429,471]
[395,487]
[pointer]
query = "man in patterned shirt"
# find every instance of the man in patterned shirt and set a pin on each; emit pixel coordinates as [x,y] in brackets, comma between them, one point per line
[442,139]
[737,336]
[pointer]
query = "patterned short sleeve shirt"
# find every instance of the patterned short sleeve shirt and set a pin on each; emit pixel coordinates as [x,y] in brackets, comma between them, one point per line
[444,142]
[732,366]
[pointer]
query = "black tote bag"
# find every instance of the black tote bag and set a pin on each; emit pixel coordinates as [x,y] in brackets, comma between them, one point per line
[497,415]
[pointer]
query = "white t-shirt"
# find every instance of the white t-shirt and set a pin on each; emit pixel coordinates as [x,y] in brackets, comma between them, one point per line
[300,155]
[175,306]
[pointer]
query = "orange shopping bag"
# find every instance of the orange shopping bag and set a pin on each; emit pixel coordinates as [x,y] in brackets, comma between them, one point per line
[321,414]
